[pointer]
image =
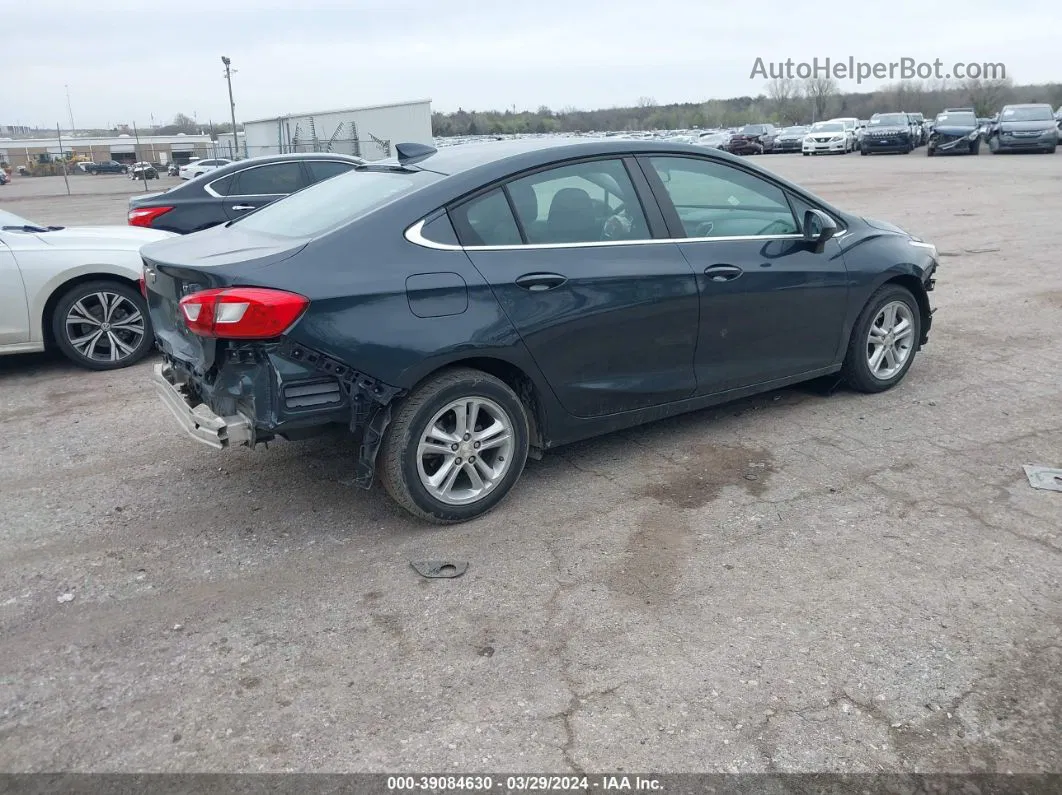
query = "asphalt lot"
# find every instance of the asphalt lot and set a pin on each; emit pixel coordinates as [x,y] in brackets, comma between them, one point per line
[803,581]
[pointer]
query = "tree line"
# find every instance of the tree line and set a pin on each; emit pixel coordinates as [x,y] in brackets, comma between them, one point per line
[783,101]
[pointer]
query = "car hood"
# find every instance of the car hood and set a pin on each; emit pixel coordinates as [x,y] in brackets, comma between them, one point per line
[1013,126]
[888,128]
[103,238]
[955,129]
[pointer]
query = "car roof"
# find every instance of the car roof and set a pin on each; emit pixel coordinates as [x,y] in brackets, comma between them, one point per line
[1028,105]
[239,165]
[524,152]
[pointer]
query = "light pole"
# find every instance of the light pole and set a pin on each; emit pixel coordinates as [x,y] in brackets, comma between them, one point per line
[232,105]
[69,109]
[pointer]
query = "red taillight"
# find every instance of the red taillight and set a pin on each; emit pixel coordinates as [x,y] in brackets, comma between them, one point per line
[242,313]
[143,216]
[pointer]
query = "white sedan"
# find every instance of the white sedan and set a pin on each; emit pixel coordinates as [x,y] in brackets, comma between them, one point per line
[194,168]
[75,288]
[827,137]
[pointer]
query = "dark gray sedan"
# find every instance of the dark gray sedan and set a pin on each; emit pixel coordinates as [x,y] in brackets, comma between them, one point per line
[234,190]
[461,310]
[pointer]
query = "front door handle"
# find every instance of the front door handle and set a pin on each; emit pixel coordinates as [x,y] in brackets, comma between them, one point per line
[537,282]
[722,273]
[240,207]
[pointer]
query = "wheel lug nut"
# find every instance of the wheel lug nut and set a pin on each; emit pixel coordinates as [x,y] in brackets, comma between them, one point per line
[454,447]
[457,461]
[468,436]
[476,445]
[471,459]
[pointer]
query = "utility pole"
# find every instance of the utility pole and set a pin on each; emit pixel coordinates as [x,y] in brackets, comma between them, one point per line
[232,104]
[69,109]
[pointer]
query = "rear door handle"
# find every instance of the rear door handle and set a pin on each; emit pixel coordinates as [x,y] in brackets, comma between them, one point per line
[722,273]
[537,282]
[244,207]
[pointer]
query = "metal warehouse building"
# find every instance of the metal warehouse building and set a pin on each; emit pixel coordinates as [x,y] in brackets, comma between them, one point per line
[369,132]
[124,148]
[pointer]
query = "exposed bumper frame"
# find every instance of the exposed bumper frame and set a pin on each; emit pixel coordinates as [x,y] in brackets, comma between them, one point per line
[199,421]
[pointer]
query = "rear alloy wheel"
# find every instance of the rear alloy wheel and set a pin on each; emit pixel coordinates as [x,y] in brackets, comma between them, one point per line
[884,341]
[102,325]
[455,447]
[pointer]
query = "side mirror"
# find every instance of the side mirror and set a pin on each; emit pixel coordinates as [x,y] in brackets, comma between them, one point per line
[818,228]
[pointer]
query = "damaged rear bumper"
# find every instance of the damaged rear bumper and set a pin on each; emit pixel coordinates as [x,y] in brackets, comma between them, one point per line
[255,392]
[197,419]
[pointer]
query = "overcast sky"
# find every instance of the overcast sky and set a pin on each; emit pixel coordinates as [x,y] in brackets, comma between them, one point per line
[126,61]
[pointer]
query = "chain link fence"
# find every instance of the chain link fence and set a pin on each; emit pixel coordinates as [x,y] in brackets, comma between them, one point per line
[368,149]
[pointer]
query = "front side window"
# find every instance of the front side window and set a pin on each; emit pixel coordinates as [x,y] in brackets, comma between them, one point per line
[274,179]
[590,202]
[717,200]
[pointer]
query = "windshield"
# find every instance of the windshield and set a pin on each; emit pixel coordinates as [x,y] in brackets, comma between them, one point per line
[752,129]
[794,130]
[324,206]
[890,119]
[1027,114]
[827,126]
[960,119]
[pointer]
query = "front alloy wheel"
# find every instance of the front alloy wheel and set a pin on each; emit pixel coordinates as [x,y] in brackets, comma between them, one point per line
[102,325]
[884,340]
[890,340]
[455,446]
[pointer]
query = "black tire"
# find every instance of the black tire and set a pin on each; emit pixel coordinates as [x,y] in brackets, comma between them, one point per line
[87,291]
[862,151]
[993,145]
[975,148]
[856,370]
[930,151]
[806,154]
[398,464]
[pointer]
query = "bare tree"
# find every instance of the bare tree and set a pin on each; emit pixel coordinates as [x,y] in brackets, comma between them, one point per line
[986,96]
[782,91]
[820,91]
[646,102]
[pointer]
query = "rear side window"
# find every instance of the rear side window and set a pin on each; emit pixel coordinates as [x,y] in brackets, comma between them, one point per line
[487,221]
[272,180]
[223,186]
[325,169]
[333,202]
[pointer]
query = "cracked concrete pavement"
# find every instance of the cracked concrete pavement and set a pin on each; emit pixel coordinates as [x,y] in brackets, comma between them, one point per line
[811,580]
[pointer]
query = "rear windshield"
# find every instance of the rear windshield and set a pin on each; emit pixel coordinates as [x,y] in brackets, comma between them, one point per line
[333,202]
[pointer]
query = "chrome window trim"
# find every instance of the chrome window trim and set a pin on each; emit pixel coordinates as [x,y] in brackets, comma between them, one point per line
[415,235]
[217,195]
